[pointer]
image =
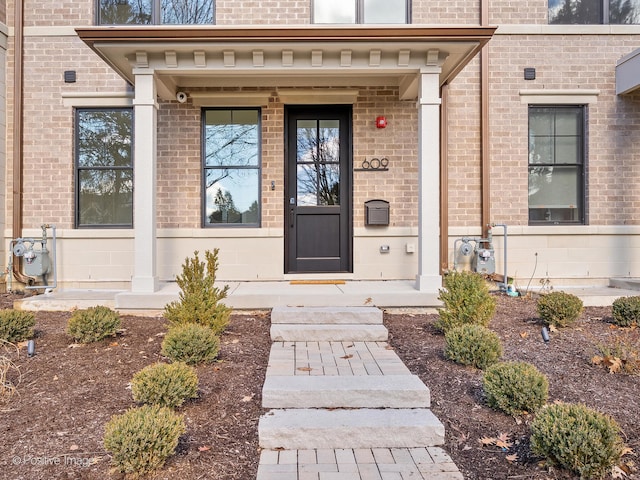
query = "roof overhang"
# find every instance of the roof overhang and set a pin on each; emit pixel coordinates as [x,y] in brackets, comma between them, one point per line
[628,73]
[201,57]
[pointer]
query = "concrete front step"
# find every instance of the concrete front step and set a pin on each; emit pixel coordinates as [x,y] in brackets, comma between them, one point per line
[328,333]
[376,391]
[300,429]
[327,315]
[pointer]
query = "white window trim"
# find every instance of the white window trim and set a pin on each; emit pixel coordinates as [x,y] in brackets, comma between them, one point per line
[98,100]
[559,96]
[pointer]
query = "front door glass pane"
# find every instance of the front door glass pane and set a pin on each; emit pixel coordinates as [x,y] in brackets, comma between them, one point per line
[318,157]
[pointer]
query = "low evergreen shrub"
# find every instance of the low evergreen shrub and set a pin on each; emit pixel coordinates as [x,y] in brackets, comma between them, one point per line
[473,345]
[466,299]
[626,311]
[191,343]
[577,438]
[199,299]
[559,309]
[93,324]
[167,385]
[16,325]
[141,439]
[515,388]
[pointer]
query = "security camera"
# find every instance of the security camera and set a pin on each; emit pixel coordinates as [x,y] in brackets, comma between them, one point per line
[181,97]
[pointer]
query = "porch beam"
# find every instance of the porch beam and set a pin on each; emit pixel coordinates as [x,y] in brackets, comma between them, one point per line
[145,279]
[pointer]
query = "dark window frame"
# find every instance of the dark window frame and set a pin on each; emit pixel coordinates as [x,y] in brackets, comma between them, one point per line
[204,168]
[155,15]
[604,14]
[77,168]
[580,167]
[360,14]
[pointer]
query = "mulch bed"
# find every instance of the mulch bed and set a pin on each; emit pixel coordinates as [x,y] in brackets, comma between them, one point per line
[53,426]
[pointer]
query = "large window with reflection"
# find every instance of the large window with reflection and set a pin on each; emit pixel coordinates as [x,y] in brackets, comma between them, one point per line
[155,12]
[231,164]
[594,11]
[104,167]
[360,11]
[556,164]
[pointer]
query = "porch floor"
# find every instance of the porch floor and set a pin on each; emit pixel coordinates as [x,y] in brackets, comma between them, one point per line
[266,295]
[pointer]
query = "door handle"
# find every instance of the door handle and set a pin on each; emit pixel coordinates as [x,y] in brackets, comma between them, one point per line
[292,215]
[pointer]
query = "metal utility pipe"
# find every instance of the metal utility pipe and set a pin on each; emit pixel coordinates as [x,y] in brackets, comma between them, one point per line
[504,227]
[18,123]
[485,164]
[444,180]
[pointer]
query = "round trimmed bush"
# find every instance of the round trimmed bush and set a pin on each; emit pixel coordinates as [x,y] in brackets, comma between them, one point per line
[559,309]
[626,311]
[16,325]
[515,387]
[93,324]
[577,438]
[191,343]
[141,439]
[473,345]
[466,299]
[167,385]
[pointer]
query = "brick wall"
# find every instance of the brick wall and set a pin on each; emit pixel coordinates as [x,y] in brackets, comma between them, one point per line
[258,12]
[179,161]
[565,62]
[48,190]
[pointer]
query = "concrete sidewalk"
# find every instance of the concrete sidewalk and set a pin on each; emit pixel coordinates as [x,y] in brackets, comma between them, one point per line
[266,295]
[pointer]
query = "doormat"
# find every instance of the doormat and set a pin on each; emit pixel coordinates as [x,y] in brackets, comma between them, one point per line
[317,282]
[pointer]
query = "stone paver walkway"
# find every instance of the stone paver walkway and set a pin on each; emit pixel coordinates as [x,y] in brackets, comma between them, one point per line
[345,409]
[334,358]
[430,463]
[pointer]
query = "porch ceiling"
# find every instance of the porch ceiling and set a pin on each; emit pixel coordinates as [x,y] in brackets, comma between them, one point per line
[201,57]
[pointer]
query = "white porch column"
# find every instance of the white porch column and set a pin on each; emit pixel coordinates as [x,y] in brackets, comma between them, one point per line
[429,278]
[145,278]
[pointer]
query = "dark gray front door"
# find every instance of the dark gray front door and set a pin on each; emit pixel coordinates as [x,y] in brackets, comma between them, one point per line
[318,189]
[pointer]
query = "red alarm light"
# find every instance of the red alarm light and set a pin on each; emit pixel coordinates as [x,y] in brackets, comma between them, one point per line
[381,122]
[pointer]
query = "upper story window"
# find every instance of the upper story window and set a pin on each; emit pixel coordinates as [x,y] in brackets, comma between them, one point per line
[556,164]
[360,11]
[155,12]
[231,164]
[104,167]
[594,11]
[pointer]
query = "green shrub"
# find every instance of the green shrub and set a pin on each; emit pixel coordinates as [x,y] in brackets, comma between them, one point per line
[559,309]
[515,387]
[466,300]
[191,343]
[141,439]
[626,311]
[16,325]
[577,438]
[93,324]
[199,300]
[473,345]
[167,385]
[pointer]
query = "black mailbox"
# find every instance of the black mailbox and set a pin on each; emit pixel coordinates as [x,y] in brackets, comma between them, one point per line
[376,212]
